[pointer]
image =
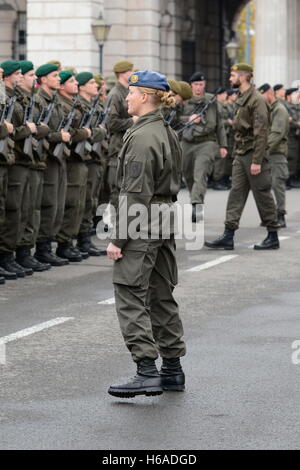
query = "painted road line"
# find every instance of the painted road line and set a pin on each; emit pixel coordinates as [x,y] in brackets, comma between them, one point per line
[28,331]
[110,301]
[211,264]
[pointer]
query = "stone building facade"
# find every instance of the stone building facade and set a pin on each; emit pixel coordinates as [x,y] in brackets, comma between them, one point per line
[173,36]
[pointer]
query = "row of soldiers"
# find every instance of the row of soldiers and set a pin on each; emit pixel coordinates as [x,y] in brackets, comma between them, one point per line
[60,137]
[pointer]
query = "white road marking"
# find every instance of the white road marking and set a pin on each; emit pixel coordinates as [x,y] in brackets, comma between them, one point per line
[211,264]
[110,301]
[28,331]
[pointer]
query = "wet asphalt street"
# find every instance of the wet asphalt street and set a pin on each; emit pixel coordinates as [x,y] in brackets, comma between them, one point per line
[241,318]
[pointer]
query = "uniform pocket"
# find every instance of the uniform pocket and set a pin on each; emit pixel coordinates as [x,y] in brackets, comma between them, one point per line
[133,175]
[129,270]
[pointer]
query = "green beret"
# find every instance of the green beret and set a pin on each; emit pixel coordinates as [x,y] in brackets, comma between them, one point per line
[84,77]
[45,69]
[10,66]
[26,66]
[123,66]
[65,75]
[242,68]
[186,91]
[175,86]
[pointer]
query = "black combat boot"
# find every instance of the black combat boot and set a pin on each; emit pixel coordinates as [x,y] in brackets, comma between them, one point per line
[24,259]
[11,276]
[225,242]
[8,263]
[64,250]
[44,255]
[83,254]
[146,382]
[281,220]
[2,280]
[172,375]
[197,213]
[220,185]
[84,244]
[270,243]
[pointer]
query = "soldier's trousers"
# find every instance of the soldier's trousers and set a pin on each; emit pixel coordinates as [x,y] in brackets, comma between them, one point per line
[242,183]
[219,170]
[144,280]
[77,175]
[92,196]
[16,208]
[3,192]
[198,159]
[53,200]
[293,156]
[280,174]
[31,227]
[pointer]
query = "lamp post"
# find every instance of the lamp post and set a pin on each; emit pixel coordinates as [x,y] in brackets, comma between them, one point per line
[232,50]
[100,30]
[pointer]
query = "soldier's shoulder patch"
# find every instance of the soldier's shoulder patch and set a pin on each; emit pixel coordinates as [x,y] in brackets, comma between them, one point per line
[135,169]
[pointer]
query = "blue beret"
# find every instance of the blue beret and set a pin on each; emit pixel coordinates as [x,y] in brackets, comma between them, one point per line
[149,79]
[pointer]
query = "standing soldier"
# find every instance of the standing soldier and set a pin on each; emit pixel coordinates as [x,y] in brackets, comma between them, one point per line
[220,164]
[33,196]
[7,158]
[77,173]
[88,92]
[18,175]
[278,149]
[230,108]
[292,105]
[200,142]
[280,91]
[145,270]
[251,169]
[118,122]
[55,176]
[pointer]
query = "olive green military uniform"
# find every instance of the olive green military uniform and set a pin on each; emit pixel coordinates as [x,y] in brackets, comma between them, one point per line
[117,123]
[293,139]
[173,115]
[220,163]
[94,166]
[251,125]
[230,110]
[278,149]
[77,175]
[144,279]
[36,180]
[18,184]
[200,144]
[5,162]
[55,176]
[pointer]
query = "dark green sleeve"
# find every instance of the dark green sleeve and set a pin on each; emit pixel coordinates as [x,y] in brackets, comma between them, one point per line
[115,122]
[260,122]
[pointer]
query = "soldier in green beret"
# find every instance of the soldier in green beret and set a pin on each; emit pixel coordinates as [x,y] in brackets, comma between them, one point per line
[7,159]
[77,173]
[33,197]
[18,175]
[251,168]
[88,91]
[118,122]
[55,176]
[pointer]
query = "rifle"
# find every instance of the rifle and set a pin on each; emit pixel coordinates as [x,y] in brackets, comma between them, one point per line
[65,125]
[28,117]
[88,119]
[96,149]
[199,114]
[44,118]
[7,116]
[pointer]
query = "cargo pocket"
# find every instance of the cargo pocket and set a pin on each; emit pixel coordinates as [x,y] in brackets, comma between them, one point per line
[129,270]
[14,197]
[133,175]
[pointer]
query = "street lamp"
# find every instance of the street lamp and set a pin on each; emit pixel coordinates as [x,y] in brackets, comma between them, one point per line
[100,31]
[232,50]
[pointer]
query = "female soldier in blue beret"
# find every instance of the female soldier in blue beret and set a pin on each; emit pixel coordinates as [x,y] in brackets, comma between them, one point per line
[145,269]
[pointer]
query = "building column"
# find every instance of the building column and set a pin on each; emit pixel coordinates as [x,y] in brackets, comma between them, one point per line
[277,52]
[62,31]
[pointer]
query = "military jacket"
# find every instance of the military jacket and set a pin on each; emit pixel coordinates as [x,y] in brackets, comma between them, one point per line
[278,138]
[149,166]
[99,134]
[251,125]
[293,111]
[211,127]
[118,120]
[42,130]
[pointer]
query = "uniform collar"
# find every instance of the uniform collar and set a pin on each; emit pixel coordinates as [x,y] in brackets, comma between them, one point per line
[153,116]
[44,94]
[244,97]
